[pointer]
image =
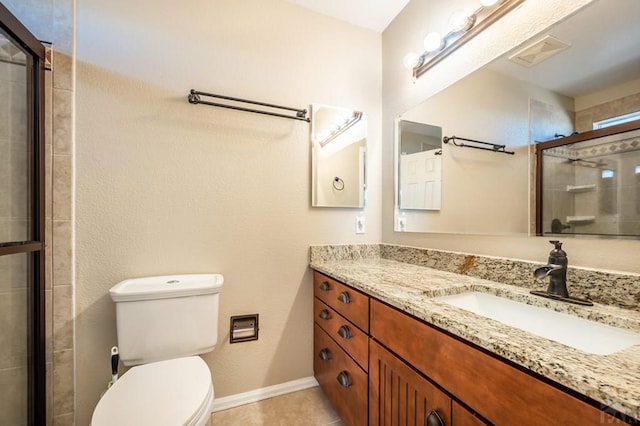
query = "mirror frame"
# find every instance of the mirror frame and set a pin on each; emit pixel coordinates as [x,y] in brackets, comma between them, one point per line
[581,137]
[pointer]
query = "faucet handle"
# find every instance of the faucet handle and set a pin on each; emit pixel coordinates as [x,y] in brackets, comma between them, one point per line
[557,244]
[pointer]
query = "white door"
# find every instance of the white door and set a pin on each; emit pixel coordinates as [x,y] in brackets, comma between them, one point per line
[420,180]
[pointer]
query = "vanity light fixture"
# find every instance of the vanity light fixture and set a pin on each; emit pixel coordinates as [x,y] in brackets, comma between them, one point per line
[339,128]
[463,27]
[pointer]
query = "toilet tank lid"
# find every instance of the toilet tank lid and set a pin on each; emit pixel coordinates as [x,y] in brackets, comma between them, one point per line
[165,287]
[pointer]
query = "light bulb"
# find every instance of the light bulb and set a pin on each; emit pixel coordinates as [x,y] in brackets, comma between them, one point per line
[461,21]
[411,60]
[487,3]
[433,42]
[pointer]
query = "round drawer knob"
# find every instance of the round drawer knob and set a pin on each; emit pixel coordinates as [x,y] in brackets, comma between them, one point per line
[343,379]
[344,298]
[324,354]
[344,332]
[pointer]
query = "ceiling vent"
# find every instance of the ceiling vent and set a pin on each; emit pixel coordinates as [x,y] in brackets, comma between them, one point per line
[538,51]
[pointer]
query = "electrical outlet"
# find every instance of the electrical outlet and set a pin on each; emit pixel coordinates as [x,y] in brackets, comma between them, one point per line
[360,225]
[402,224]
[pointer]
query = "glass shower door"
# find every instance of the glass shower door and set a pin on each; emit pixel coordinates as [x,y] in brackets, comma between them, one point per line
[21,227]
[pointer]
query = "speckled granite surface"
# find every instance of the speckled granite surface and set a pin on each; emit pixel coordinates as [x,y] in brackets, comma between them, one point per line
[613,380]
[609,288]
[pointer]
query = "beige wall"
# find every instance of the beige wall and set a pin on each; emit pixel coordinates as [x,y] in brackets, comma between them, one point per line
[167,187]
[401,94]
[612,102]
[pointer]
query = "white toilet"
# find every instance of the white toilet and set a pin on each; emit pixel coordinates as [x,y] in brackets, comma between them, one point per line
[163,323]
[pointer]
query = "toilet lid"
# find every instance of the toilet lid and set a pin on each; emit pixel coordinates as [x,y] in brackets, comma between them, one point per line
[172,392]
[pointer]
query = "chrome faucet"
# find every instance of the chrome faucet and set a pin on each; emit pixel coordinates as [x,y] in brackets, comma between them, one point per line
[556,270]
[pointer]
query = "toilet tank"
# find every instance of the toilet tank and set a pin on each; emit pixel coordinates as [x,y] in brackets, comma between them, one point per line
[165,317]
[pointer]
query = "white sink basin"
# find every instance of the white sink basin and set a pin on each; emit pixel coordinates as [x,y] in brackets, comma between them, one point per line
[588,336]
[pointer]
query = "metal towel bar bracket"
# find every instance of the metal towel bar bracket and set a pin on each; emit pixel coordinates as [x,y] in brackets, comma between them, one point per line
[195,97]
[494,146]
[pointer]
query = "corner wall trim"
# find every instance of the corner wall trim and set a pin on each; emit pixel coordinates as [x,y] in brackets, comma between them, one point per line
[231,401]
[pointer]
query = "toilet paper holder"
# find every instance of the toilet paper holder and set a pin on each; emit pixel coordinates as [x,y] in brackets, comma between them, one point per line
[243,328]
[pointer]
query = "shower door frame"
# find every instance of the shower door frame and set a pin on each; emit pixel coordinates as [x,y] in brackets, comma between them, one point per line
[36,246]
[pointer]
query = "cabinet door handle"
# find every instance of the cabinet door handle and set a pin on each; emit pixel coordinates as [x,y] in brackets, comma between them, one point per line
[343,379]
[324,314]
[324,354]
[433,419]
[343,331]
[324,286]
[344,298]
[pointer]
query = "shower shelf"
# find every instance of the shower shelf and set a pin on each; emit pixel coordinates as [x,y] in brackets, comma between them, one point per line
[581,220]
[581,188]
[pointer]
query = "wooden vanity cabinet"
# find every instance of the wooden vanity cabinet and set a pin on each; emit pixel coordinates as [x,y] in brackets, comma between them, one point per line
[348,302]
[341,347]
[399,396]
[343,382]
[496,390]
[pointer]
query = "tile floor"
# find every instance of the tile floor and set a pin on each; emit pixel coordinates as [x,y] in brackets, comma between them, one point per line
[305,407]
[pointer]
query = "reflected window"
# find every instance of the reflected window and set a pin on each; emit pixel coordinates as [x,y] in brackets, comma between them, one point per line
[607,174]
[616,120]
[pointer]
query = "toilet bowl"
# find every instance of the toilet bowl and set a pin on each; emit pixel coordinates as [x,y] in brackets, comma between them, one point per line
[173,392]
[163,323]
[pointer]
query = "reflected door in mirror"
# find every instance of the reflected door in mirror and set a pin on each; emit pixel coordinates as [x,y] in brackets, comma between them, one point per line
[419,166]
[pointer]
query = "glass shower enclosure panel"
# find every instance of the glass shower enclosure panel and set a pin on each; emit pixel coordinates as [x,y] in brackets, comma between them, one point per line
[16,213]
[15,142]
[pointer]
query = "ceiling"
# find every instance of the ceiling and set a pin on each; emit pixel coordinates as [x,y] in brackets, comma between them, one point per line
[604,40]
[375,15]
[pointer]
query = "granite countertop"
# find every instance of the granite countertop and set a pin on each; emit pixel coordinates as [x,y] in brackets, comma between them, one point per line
[613,380]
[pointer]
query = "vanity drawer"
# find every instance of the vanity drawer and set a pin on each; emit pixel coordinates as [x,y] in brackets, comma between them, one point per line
[343,382]
[350,338]
[350,303]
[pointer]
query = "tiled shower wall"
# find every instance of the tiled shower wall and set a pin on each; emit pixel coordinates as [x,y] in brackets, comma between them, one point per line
[625,105]
[54,21]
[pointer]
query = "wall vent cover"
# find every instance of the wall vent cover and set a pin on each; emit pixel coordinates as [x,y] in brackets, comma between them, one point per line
[539,51]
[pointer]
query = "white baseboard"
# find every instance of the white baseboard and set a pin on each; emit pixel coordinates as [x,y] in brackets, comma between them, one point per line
[256,395]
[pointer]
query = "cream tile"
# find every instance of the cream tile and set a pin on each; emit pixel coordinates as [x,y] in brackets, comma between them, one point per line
[48,253]
[13,396]
[62,112]
[48,108]
[62,71]
[49,373]
[62,318]
[62,255]
[64,420]
[48,332]
[48,180]
[63,384]
[13,335]
[62,186]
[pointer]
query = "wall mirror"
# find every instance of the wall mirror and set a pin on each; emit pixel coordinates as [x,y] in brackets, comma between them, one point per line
[559,82]
[338,157]
[419,165]
[589,183]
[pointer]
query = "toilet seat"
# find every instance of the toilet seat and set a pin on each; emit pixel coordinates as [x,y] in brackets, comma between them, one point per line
[173,392]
